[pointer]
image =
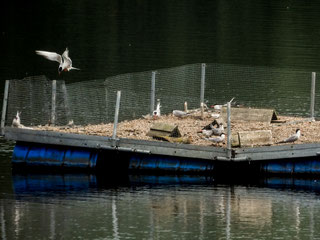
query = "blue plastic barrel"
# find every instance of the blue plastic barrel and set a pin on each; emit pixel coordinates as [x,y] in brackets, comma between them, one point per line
[51,155]
[163,163]
[43,155]
[310,166]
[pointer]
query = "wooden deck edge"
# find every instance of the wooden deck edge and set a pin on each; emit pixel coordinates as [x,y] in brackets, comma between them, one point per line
[281,152]
[163,148]
[99,142]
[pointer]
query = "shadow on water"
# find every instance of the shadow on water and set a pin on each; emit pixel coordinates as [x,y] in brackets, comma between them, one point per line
[36,184]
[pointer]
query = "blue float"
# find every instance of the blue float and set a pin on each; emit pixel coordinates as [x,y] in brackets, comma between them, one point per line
[150,162]
[309,166]
[43,155]
[50,155]
[58,156]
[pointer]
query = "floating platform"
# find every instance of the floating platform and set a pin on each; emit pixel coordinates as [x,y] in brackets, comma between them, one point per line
[75,151]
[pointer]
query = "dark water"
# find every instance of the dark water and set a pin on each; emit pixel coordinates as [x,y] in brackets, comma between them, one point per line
[83,206]
[111,37]
[88,206]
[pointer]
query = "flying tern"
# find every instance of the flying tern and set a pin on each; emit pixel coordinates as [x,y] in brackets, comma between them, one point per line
[65,63]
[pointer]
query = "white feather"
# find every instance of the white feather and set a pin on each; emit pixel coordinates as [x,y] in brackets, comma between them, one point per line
[52,56]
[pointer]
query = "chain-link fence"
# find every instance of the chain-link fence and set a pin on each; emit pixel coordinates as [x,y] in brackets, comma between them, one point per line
[286,91]
[42,101]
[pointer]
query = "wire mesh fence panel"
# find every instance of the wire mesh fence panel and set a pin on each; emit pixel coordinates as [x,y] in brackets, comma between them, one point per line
[135,94]
[317,102]
[87,102]
[63,108]
[174,86]
[32,97]
[287,91]
[93,102]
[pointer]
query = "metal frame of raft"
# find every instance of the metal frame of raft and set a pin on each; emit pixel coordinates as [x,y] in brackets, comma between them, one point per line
[64,150]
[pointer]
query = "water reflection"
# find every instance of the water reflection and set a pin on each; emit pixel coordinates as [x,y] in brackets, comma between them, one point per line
[37,183]
[115,220]
[173,207]
[2,221]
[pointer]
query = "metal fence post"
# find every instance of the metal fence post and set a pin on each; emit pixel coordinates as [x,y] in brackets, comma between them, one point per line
[106,98]
[4,106]
[53,102]
[229,130]
[116,115]
[66,101]
[153,92]
[313,91]
[203,78]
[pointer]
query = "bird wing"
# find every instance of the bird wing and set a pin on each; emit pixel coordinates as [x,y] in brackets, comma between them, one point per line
[52,56]
[292,138]
[179,113]
[66,58]
[207,133]
[216,140]
[74,68]
[216,131]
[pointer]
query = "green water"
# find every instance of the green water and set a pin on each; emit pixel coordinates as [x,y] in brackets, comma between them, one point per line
[111,37]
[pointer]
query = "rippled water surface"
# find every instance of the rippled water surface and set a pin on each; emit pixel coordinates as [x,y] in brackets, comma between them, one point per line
[79,206]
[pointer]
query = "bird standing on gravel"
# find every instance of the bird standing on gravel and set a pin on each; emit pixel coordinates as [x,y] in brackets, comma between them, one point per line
[179,113]
[207,132]
[218,139]
[157,112]
[210,130]
[292,138]
[218,131]
[16,122]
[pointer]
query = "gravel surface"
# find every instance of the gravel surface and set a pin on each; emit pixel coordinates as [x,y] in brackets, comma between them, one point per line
[191,125]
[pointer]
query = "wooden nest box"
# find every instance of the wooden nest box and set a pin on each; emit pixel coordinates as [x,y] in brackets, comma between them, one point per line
[164,129]
[252,138]
[251,114]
